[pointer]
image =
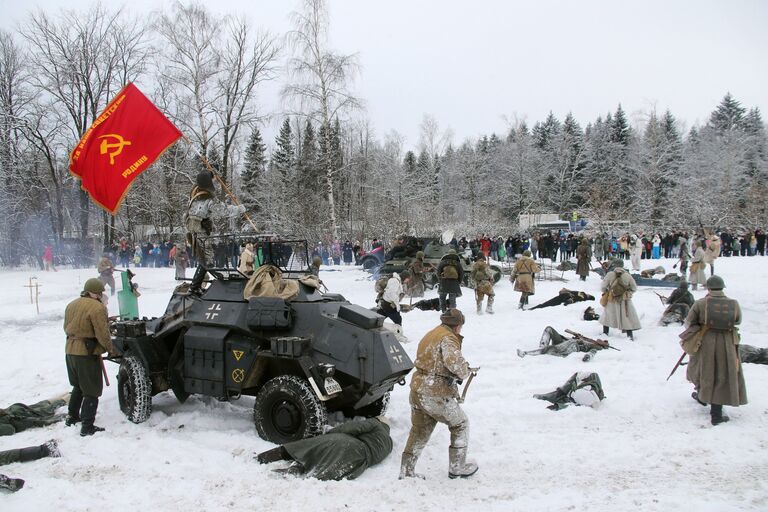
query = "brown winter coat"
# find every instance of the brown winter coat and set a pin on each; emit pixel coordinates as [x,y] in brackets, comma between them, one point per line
[713,250]
[87,318]
[522,275]
[583,255]
[439,364]
[715,368]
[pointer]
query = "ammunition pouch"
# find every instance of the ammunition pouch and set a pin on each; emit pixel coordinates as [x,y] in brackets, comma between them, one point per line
[90,345]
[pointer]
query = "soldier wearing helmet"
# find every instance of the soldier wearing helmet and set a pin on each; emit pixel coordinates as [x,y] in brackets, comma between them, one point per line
[711,340]
[87,328]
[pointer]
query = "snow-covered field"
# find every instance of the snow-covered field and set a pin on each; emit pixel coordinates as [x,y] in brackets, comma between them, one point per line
[649,446]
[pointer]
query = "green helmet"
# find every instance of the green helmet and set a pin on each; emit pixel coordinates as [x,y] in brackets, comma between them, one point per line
[715,283]
[618,263]
[93,285]
[420,255]
[317,261]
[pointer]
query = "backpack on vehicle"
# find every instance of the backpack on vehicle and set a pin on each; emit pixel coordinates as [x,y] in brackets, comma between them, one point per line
[450,271]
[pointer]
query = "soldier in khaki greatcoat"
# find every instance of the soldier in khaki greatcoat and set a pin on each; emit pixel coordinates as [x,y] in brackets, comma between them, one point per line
[435,396]
[87,327]
[523,274]
[712,341]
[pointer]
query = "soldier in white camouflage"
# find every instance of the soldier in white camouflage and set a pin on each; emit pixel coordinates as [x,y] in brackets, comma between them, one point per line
[204,207]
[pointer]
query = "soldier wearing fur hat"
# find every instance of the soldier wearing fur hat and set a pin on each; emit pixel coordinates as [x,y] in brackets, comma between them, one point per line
[523,274]
[105,268]
[202,210]
[483,277]
[711,340]
[87,328]
[434,396]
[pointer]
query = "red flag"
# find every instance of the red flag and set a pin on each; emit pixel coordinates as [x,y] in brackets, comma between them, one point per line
[122,143]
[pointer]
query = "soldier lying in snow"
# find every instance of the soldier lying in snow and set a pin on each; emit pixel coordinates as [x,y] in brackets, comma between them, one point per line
[750,354]
[555,344]
[344,452]
[582,388]
[680,302]
[564,297]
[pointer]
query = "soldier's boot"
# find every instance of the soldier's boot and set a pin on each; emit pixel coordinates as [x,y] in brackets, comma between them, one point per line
[489,306]
[458,466]
[408,466]
[479,307]
[605,329]
[716,413]
[273,455]
[73,411]
[630,335]
[522,303]
[88,415]
[553,396]
[49,449]
[12,484]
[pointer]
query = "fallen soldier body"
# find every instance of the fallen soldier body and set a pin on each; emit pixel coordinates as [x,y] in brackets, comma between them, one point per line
[555,344]
[680,302]
[564,297]
[582,388]
[344,452]
[30,453]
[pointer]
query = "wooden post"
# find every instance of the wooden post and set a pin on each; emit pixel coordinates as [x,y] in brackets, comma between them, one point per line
[34,299]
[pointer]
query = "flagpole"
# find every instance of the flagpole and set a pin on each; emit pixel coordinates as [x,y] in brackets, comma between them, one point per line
[218,178]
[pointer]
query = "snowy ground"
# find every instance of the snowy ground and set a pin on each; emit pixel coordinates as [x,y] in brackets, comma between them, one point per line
[647,447]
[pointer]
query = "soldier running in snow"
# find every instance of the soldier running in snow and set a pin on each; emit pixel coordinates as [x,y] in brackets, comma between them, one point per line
[435,396]
[451,275]
[483,276]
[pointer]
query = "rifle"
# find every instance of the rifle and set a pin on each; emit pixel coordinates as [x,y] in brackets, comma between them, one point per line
[599,343]
[662,298]
[679,362]
[472,373]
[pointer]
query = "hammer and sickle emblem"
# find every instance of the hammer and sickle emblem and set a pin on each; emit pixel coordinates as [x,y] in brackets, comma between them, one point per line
[117,146]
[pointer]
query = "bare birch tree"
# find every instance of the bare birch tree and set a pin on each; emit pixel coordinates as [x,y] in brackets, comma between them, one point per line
[319,82]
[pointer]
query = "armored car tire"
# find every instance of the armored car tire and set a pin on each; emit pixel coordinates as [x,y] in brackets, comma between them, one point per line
[377,408]
[134,389]
[286,409]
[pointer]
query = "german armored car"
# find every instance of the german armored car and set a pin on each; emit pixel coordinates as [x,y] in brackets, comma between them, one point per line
[301,353]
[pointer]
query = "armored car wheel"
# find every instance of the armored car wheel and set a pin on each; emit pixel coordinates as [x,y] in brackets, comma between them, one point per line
[134,389]
[286,409]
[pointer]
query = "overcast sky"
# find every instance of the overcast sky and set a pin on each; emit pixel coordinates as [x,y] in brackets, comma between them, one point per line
[473,64]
